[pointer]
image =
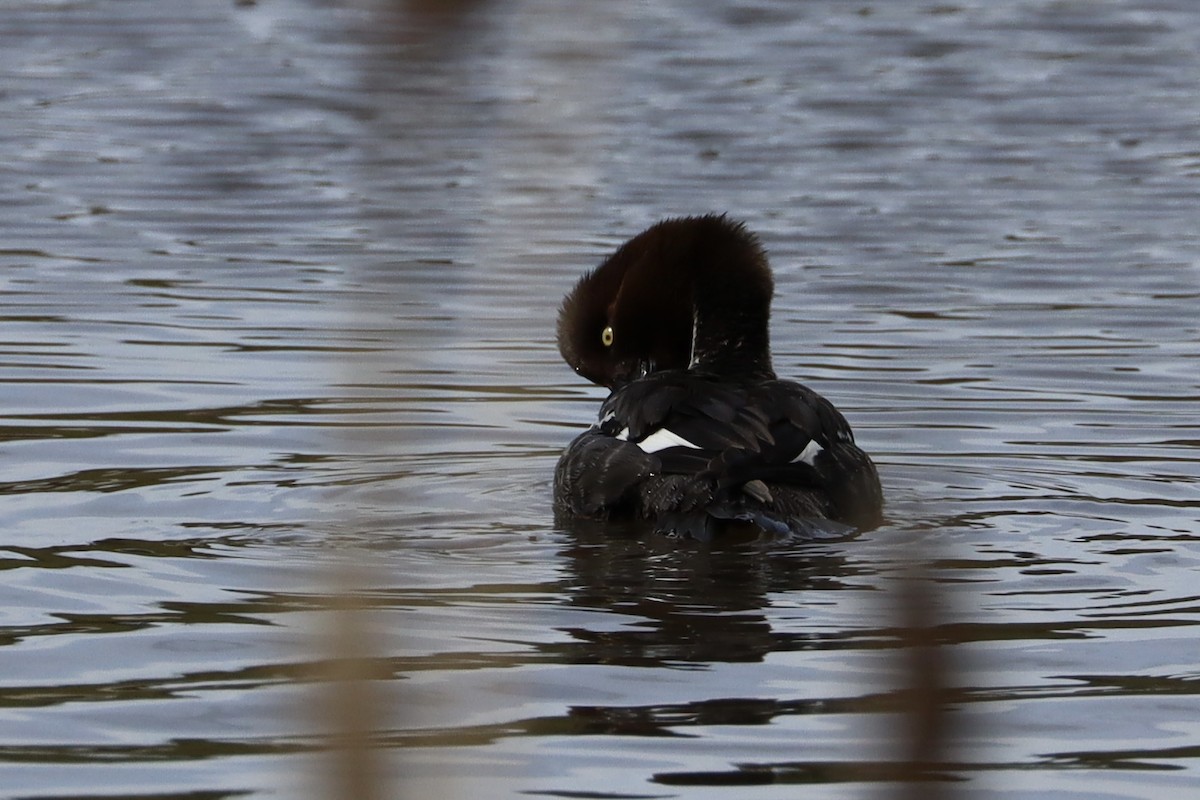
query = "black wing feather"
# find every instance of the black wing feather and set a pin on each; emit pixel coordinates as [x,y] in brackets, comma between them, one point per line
[790,444]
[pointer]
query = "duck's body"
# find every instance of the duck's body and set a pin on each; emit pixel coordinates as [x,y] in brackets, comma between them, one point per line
[699,434]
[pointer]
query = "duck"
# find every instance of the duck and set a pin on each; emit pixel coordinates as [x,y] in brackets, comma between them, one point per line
[698,435]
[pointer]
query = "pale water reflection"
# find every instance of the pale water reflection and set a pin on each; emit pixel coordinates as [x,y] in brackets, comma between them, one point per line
[278,287]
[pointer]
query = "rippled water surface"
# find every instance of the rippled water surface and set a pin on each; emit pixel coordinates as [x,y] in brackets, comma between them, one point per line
[278,387]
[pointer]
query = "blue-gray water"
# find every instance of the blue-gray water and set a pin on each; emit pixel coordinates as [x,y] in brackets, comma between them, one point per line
[278,284]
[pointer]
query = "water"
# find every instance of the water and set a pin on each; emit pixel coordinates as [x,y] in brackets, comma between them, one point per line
[279,282]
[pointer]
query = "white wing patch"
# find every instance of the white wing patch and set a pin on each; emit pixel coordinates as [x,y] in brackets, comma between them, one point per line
[661,439]
[809,454]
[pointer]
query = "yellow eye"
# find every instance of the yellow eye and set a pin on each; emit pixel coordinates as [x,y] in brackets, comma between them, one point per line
[606,336]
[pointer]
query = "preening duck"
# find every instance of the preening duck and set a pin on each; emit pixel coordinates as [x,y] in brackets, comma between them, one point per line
[699,435]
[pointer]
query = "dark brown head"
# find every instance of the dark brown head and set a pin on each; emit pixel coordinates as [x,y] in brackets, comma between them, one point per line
[684,291]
